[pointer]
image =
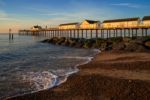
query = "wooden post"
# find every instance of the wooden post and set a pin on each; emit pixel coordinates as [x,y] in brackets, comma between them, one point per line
[96,33]
[86,33]
[121,32]
[107,34]
[136,31]
[124,32]
[70,33]
[114,33]
[77,33]
[128,32]
[132,32]
[74,33]
[142,32]
[146,32]
[82,33]
[91,33]
[103,36]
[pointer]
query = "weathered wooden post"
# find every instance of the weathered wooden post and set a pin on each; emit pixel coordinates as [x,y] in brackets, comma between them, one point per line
[146,32]
[82,33]
[136,32]
[124,32]
[142,32]
[91,33]
[107,34]
[74,33]
[102,33]
[78,33]
[114,33]
[96,33]
[132,32]
[86,33]
[121,32]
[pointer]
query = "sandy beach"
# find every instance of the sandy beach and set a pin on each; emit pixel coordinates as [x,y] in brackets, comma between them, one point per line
[110,76]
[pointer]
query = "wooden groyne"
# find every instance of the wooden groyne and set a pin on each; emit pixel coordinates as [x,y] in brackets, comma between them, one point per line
[89,33]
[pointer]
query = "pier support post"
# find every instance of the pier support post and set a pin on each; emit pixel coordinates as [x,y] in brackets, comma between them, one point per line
[107,34]
[96,33]
[82,33]
[146,32]
[91,34]
[132,32]
[74,33]
[70,33]
[124,32]
[114,33]
[136,32]
[77,33]
[142,32]
[86,33]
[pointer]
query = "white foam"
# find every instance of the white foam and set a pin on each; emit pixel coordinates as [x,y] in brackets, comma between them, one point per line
[40,80]
[45,80]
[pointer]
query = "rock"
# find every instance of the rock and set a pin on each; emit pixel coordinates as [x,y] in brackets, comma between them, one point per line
[118,46]
[78,45]
[45,41]
[133,46]
[147,44]
[126,39]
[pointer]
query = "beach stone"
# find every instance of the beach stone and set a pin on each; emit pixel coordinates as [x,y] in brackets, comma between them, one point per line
[45,41]
[133,46]
[119,46]
[127,39]
[147,44]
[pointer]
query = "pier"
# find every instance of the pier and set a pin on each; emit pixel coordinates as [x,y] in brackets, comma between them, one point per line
[89,33]
[127,27]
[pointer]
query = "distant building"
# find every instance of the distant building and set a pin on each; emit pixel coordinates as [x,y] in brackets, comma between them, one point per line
[36,28]
[69,26]
[90,24]
[146,21]
[121,23]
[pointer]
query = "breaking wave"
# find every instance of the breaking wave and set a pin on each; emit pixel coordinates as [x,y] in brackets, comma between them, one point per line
[48,79]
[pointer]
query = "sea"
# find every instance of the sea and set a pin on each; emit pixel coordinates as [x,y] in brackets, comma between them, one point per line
[27,65]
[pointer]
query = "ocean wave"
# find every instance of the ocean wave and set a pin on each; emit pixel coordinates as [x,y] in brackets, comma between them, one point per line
[40,80]
[48,79]
[45,79]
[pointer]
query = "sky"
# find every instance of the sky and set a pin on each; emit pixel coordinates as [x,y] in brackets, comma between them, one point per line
[23,14]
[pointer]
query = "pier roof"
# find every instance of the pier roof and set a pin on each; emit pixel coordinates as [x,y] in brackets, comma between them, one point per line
[69,24]
[146,18]
[122,20]
[36,26]
[92,21]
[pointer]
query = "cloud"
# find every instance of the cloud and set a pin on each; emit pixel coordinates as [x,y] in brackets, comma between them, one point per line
[130,5]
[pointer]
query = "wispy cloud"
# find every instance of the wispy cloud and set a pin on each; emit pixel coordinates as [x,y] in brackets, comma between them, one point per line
[130,5]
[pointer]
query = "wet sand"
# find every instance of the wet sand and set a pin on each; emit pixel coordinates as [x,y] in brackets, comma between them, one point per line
[110,76]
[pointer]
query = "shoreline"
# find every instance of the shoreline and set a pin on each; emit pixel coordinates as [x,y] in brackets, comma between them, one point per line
[88,60]
[75,91]
[112,75]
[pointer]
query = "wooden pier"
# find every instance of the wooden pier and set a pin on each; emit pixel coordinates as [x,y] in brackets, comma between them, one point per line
[89,33]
